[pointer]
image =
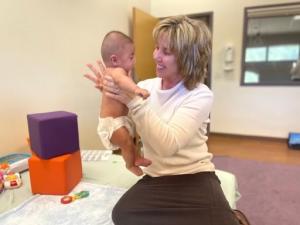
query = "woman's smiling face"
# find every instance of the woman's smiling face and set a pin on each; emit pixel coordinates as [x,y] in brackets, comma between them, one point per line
[166,61]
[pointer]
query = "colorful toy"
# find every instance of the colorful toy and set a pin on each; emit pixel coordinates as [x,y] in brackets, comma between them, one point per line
[1,186]
[12,181]
[1,182]
[4,167]
[55,165]
[16,162]
[1,175]
[68,199]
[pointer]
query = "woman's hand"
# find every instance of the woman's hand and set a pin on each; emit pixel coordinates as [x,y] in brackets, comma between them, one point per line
[115,84]
[125,82]
[97,74]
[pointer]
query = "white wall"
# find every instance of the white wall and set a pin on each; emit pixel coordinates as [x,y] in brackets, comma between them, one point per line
[259,111]
[44,48]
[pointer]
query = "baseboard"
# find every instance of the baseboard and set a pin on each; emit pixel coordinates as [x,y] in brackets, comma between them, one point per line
[263,138]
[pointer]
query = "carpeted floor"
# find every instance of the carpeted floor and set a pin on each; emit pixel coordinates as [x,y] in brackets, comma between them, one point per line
[270,192]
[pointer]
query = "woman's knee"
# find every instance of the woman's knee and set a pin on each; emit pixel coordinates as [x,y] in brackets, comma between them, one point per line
[119,214]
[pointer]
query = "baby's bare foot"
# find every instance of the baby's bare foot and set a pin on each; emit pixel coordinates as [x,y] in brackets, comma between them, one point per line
[136,170]
[142,162]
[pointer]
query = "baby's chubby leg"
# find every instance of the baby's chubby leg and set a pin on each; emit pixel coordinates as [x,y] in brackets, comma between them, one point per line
[122,138]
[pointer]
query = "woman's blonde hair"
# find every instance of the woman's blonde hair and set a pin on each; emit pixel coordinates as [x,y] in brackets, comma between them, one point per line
[190,41]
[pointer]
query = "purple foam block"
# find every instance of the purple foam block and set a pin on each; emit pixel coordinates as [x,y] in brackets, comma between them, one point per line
[53,133]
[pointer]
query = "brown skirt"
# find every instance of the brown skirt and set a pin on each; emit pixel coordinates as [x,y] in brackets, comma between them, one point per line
[192,199]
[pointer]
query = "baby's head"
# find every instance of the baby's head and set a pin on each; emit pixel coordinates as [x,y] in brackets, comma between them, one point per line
[117,50]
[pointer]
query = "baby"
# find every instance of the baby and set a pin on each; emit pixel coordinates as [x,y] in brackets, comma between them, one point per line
[115,129]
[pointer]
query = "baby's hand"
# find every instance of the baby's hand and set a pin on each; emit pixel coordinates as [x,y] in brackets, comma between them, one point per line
[142,92]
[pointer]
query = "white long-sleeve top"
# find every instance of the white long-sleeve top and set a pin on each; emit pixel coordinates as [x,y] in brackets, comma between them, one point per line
[172,124]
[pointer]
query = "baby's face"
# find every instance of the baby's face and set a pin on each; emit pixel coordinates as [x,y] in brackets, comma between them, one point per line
[127,57]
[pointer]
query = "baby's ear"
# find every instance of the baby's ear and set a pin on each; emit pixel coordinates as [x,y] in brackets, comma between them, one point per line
[114,60]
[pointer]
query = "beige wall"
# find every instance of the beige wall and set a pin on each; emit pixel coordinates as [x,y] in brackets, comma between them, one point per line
[45,44]
[258,111]
[44,48]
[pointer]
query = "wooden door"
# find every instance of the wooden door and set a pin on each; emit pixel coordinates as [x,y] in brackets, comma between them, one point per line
[143,24]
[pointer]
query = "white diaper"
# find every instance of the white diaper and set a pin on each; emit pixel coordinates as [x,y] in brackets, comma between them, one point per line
[108,125]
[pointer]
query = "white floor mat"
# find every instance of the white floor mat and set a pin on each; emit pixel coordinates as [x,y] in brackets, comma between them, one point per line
[47,209]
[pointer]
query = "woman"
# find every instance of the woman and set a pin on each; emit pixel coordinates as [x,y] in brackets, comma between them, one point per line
[180,186]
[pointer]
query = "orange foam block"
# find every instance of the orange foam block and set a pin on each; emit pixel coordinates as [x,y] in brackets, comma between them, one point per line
[55,176]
